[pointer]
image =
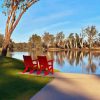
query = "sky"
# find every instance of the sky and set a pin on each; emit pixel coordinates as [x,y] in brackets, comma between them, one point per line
[53,16]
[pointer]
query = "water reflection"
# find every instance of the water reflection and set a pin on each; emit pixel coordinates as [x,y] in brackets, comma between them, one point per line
[70,61]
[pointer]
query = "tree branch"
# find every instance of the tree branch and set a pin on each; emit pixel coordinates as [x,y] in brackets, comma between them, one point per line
[20,15]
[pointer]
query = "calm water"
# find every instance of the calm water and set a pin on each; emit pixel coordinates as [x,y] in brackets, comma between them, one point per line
[69,61]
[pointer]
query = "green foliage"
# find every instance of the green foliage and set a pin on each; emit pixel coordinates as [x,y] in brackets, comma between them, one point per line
[20,46]
[91,31]
[60,36]
[22,4]
[77,38]
[48,39]
[35,40]
[71,35]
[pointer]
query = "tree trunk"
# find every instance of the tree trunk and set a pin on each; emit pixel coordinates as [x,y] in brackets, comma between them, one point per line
[70,43]
[76,44]
[4,50]
[90,44]
[81,44]
[5,44]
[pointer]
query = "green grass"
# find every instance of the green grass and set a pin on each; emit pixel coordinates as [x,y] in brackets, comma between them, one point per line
[56,70]
[0,50]
[14,86]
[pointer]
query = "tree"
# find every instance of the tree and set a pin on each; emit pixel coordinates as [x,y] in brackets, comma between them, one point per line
[99,37]
[90,32]
[52,39]
[14,9]
[71,40]
[82,36]
[47,38]
[77,40]
[59,38]
[1,40]
[35,41]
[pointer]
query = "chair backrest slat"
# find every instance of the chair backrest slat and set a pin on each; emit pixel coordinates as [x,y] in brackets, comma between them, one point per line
[28,61]
[43,61]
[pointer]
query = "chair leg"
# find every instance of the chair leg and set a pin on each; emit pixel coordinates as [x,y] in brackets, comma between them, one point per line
[52,71]
[25,69]
[46,72]
[39,71]
[31,71]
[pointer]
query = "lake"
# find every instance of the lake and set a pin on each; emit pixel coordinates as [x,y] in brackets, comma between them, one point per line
[70,61]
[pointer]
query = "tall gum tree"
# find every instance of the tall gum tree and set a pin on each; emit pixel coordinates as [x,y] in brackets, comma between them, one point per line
[14,9]
[90,32]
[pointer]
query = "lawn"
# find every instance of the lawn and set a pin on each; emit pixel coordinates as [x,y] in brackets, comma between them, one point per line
[0,49]
[14,86]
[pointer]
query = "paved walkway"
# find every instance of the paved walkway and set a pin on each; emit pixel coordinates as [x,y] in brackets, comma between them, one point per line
[70,87]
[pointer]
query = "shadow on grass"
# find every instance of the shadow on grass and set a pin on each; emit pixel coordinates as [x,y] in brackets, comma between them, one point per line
[18,87]
[7,62]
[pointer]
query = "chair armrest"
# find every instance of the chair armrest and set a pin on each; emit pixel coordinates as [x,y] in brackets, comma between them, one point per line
[35,60]
[50,60]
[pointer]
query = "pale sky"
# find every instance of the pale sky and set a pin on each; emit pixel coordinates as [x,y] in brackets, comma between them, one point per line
[55,16]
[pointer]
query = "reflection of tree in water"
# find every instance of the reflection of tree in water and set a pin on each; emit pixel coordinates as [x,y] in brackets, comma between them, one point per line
[50,55]
[70,57]
[74,58]
[60,56]
[77,58]
[96,55]
[91,67]
[34,54]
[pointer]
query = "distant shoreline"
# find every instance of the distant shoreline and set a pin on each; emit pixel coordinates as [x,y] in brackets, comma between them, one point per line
[74,49]
[60,49]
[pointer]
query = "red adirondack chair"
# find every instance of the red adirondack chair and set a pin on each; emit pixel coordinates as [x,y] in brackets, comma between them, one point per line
[30,64]
[44,65]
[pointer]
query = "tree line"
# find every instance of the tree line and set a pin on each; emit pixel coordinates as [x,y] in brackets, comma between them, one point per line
[14,10]
[89,38]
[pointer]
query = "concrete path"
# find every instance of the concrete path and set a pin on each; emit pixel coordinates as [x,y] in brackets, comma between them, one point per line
[70,87]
